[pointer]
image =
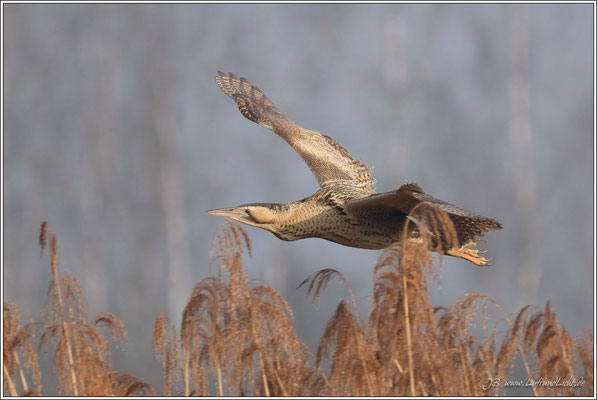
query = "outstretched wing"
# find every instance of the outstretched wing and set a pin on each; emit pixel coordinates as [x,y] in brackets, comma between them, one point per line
[467,224]
[327,159]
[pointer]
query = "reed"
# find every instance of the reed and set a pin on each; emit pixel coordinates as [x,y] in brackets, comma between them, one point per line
[237,337]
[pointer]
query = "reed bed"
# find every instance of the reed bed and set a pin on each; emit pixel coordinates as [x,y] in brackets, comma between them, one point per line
[237,337]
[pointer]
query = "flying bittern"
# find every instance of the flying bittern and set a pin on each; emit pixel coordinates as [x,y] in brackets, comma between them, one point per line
[346,209]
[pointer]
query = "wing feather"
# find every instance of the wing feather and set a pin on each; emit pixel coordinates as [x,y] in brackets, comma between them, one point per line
[329,161]
[468,225]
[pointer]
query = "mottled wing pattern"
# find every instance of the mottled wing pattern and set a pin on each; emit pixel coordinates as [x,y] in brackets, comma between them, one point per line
[329,161]
[467,224]
[251,102]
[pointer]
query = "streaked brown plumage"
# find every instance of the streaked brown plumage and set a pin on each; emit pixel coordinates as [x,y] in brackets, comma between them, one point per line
[345,209]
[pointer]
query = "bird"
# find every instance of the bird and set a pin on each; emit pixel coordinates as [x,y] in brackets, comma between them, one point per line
[346,209]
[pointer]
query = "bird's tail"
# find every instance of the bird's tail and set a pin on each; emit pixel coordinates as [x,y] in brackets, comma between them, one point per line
[251,102]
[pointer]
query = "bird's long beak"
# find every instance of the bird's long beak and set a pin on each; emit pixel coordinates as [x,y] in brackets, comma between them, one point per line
[237,214]
[234,213]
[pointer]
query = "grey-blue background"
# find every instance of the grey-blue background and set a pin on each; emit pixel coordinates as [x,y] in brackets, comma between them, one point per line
[116,133]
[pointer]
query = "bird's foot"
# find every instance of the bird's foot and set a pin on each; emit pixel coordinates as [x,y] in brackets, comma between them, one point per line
[468,253]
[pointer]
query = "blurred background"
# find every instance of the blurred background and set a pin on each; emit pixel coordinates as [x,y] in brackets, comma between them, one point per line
[116,133]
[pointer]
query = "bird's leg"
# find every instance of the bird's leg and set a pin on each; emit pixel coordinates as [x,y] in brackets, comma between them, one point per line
[467,253]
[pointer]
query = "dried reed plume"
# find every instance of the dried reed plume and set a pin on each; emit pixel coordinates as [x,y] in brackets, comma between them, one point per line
[166,348]
[17,339]
[240,336]
[82,355]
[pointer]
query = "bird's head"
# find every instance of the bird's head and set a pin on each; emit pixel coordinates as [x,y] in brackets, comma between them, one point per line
[260,215]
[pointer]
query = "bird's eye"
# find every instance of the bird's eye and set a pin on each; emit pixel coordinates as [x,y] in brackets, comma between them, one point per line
[248,213]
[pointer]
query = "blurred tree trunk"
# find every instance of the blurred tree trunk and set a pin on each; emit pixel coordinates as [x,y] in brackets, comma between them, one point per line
[520,133]
[173,205]
[396,77]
